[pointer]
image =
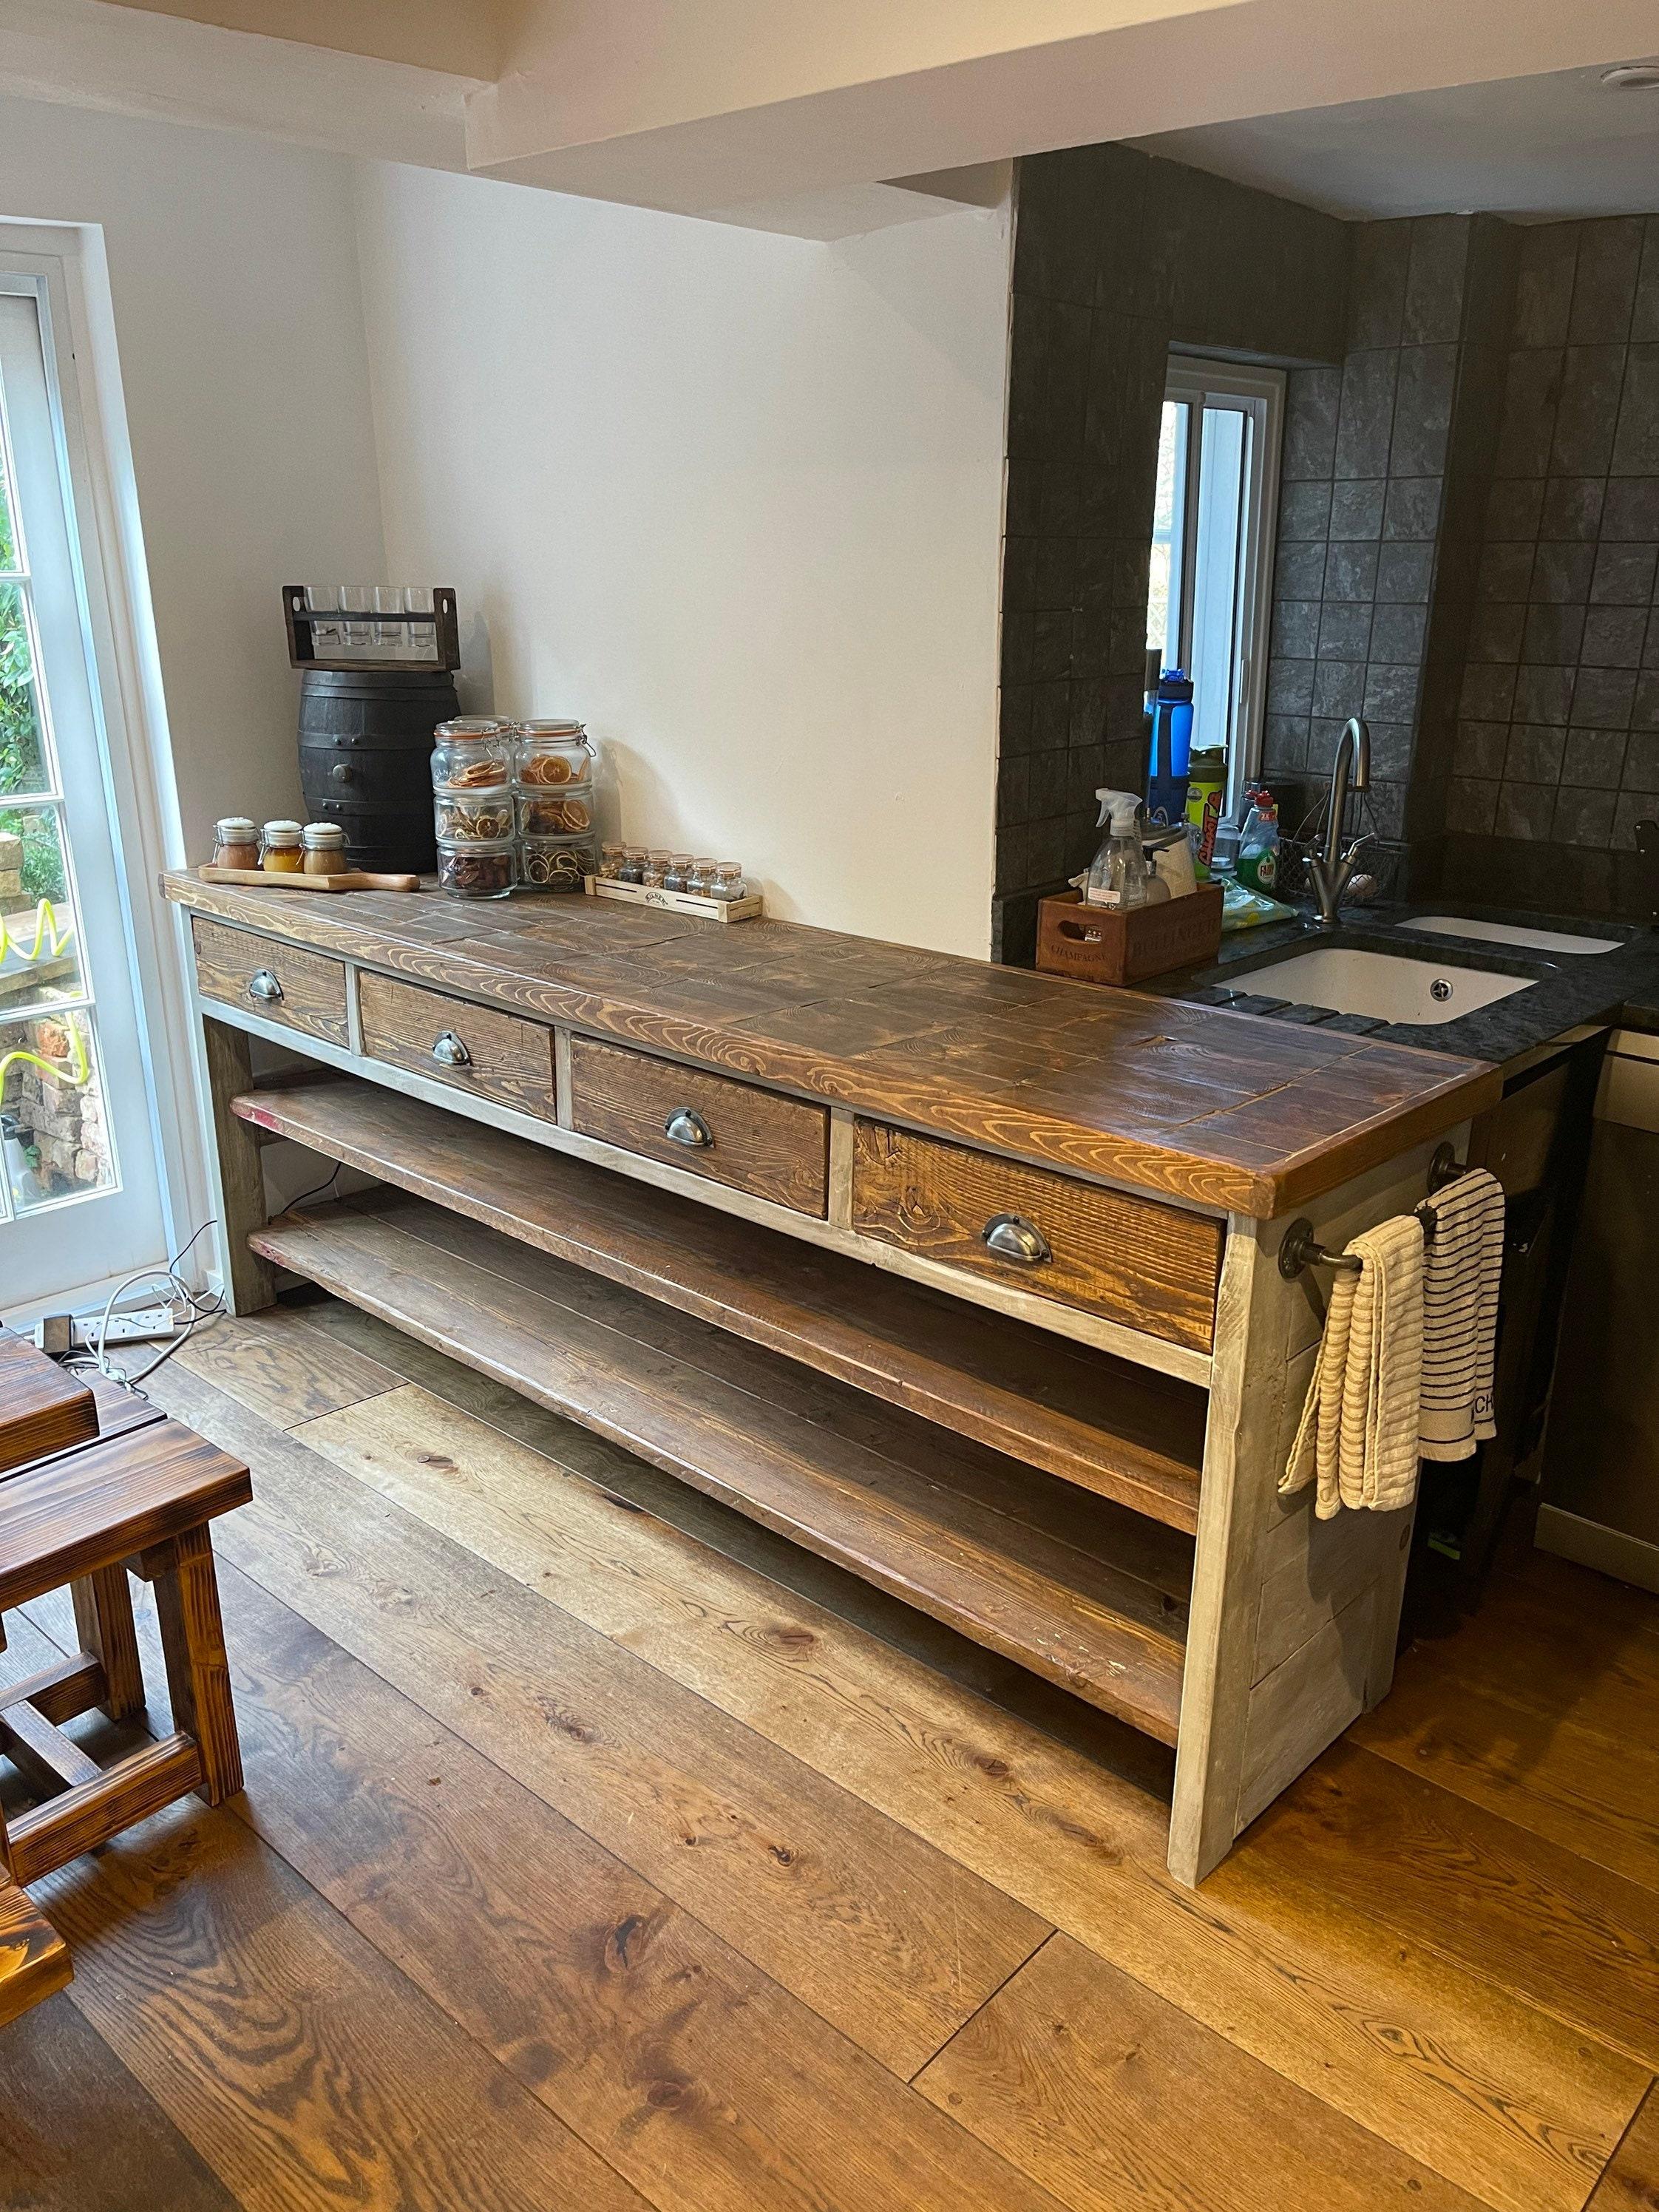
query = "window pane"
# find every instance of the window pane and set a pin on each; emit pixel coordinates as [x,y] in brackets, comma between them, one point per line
[8,535]
[1217,572]
[54,1136]
[22,754]
[39,958]
[1169,517]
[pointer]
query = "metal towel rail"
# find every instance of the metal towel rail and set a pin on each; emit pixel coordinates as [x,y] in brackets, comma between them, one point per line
[1301,1248]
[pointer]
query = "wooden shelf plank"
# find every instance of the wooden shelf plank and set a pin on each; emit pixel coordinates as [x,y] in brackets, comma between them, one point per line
[1125,1432]
[1063,1607]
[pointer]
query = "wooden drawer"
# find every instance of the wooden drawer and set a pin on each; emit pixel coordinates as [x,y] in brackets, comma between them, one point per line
[775,1148]
[1148,1265]
[301,990]
[495,1056]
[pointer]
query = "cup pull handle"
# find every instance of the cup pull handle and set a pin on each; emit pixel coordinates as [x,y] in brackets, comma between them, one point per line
[685,1127]
[1010,1236]
[450,1052]
[263,984]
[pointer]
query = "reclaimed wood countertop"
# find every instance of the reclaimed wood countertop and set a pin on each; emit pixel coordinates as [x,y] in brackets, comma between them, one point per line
[1218,1109]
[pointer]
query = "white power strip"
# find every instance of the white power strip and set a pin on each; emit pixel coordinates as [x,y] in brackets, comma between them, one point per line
[144,1325]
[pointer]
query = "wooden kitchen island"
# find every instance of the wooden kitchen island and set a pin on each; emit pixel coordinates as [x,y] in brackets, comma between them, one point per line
[964,1277]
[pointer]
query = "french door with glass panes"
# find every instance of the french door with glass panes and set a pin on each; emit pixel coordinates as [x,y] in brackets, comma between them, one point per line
[80,1196]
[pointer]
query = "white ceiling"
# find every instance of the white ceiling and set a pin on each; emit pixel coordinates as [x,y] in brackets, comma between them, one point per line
[1556,145]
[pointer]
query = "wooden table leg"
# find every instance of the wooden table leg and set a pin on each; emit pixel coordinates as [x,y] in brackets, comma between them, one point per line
[250,1284]
[198,1671]
[103,1621]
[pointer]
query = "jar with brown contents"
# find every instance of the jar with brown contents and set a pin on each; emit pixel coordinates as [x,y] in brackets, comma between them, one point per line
[280,850]
[561,814]
[552,753]
[475,871]
[472,753]
[235,843]
[325,851]
[557,863]
[474,817]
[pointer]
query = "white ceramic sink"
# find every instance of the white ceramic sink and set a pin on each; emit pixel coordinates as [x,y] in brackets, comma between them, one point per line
[1508,932]
[1380,984]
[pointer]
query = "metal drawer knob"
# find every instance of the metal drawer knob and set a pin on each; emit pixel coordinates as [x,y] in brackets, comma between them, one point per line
[686,1128]
[450,1052]
[1011,1236]
[261,984]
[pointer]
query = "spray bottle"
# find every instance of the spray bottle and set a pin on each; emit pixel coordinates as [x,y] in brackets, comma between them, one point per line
[1117,876]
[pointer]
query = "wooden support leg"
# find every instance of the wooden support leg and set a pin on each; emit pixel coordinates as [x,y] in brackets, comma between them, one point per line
[198,1672]
[249,1283]
[103,1621]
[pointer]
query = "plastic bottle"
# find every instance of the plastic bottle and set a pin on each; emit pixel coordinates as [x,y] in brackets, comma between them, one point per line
[1118,874]
[1258,846]
[1170,757]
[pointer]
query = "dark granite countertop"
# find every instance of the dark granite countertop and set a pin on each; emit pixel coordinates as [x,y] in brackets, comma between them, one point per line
[1568,990]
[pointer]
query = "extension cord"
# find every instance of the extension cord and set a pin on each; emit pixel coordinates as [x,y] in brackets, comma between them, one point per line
[144,1325]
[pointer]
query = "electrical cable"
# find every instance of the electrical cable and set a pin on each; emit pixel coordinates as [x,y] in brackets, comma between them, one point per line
[191,1308]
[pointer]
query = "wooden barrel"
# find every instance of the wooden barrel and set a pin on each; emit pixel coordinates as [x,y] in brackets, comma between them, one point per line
[365,758]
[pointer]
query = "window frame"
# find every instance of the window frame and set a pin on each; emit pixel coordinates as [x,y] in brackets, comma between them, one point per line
[1195,381]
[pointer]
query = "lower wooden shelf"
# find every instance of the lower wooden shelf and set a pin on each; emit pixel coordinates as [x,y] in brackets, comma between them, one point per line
[1124,1431]
[1083,1592]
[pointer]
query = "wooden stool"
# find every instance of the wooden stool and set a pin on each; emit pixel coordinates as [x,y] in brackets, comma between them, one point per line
[139,1501]
[33,1962]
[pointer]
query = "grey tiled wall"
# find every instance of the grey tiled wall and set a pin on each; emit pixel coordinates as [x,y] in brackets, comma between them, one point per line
[1118,257]
[1556,751]
[1370,464]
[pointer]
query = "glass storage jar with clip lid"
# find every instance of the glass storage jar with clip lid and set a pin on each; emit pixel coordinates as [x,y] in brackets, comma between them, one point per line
[472,753]
[552,753]
[235,843]
[476,871]
[324,849]
[281,853]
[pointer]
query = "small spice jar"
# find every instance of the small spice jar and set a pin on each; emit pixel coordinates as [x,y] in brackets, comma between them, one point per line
[633,865]
[474,817]
[556,864]
[324,849]
[655,868]
[476,870]
[552,753]
[567,813]
[610,862]
[280,850]
[728,883]
[679,875]
[472,753]
[700,881]
[235,843]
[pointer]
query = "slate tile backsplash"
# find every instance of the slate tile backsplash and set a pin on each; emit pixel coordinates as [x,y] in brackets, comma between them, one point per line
[1568,636]
[1467,526]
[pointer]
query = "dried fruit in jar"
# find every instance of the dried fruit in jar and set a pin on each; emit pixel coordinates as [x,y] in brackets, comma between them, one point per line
[476,819]
[564,816]
[541,769]
[474,875]
[559,869]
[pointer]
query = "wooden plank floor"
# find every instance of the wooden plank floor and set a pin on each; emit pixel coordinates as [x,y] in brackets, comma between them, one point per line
[601,1848]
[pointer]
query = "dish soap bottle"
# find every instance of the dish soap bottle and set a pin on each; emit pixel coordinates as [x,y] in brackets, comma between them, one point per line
[1258,847]
[1117,876]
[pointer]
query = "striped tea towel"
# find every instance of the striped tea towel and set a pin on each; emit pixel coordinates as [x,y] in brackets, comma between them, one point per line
[1357,1435]
[1463,1266]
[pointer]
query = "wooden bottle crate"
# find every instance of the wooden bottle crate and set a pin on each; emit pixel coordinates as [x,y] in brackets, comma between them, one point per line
[1111,945]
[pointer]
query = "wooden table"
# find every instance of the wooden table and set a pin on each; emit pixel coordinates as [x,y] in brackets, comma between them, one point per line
[42,1409]
[964,1277]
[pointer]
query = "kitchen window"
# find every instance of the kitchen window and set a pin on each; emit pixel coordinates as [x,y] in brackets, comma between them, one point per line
[1212,566]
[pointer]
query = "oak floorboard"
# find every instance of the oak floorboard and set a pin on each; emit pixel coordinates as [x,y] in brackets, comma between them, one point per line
[76,2127]
[1595,1794]
[1631,2183]
[701,2081]
[301,2067]
[876,1929]
[288,1380]
[1118,2102]
[1486,2088]
[1429,1867]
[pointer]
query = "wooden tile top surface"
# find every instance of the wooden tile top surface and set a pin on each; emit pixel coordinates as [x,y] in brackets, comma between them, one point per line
[1219,1108]
[42,1409]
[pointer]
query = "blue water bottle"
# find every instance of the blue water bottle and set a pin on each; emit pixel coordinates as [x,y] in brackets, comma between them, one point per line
[1170,759]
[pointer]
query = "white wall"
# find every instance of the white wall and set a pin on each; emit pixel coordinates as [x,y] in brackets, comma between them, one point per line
[734,500]
[233,267]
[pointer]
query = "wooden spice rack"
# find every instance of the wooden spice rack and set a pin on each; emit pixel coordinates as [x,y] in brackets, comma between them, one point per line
[652,895]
